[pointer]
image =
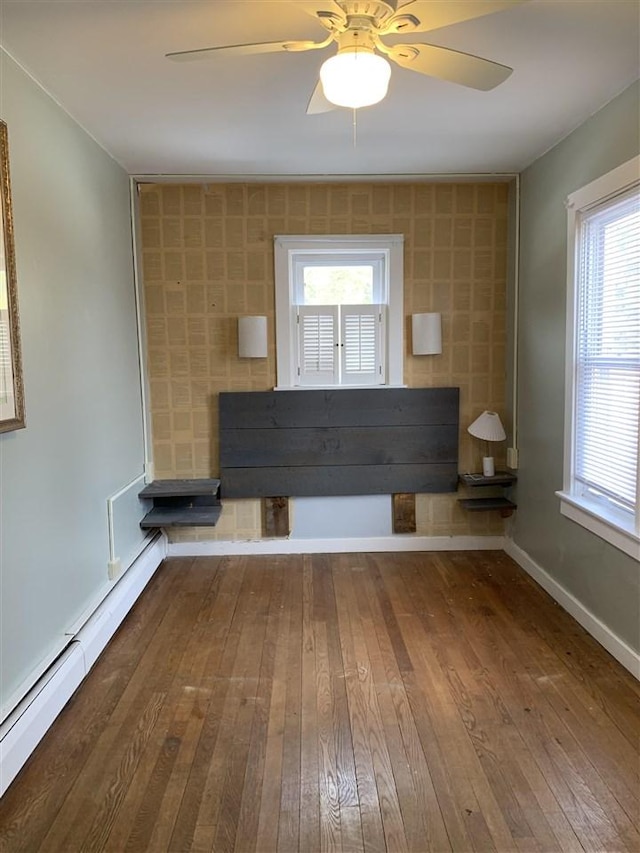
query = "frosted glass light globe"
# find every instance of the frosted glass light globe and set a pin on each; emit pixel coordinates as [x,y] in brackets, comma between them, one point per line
[355,78]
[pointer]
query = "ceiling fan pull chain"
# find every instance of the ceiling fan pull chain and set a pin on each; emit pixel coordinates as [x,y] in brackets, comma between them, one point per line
[355,128]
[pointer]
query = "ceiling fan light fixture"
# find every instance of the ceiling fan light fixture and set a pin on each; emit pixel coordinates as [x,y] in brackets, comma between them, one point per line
[355,78]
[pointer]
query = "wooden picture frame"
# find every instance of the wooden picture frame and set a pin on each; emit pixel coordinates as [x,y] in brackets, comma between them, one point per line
[11,386]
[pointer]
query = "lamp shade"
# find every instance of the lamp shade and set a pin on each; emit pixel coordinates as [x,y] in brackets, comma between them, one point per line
[488,427]
[252,337]
[355,78]
[426,333]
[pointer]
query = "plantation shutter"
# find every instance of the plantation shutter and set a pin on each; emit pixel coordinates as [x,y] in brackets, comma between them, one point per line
[607,401]
[361,344]
[340,344]
[317,344]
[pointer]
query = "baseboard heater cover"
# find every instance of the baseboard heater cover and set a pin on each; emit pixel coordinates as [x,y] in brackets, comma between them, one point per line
[27,724]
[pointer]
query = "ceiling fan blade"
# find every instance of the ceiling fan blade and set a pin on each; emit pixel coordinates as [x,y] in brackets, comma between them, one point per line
[421,16]
[450,65]
[318,103]
[321,9]
[241,50]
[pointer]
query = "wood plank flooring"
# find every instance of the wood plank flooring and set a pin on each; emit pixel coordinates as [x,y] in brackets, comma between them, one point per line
[350,702]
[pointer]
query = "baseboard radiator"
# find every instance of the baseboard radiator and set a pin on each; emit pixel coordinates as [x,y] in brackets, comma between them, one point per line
[26,725]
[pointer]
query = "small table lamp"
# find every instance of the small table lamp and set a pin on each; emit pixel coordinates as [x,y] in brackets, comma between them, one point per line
[488,427]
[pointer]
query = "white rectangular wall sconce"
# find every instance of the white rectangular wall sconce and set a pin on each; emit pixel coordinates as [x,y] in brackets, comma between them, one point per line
[252,337]
[426,332]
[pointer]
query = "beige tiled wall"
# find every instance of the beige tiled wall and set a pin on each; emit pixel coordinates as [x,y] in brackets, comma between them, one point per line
[208,258]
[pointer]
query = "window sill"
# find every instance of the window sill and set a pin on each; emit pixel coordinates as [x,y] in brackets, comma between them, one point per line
[333,387]
[607,526]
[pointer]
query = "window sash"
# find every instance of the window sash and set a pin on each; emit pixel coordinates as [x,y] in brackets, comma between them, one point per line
[581,500]
[607,378]
[376,260]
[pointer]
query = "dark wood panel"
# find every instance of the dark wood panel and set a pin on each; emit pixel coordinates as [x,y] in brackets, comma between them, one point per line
[304,481]
[338,446]
[342,442]
[343,407]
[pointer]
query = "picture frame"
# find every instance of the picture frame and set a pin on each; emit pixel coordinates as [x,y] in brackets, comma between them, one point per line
[12,413]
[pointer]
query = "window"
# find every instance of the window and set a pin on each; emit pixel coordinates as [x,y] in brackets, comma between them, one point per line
[339,310]
[601,478]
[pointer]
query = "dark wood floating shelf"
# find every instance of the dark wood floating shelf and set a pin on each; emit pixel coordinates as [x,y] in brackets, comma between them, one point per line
[182,503]
[500,478]
[479,504]
[503,479]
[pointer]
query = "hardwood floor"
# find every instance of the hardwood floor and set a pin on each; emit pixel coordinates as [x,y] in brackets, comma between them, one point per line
[352,702]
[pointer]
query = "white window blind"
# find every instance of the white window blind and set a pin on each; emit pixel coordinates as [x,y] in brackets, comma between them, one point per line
[6,368]
[607,382]
[340,344]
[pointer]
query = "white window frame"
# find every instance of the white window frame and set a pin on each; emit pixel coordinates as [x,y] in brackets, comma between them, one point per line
[619,529]
[290,250]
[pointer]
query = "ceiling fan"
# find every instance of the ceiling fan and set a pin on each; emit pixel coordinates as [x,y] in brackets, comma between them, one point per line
[358,74]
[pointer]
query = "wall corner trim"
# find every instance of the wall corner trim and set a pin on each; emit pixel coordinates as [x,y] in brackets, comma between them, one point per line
[616,646]
[27,724]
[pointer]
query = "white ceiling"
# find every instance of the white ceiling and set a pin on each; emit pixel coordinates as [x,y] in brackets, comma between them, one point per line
[103,61]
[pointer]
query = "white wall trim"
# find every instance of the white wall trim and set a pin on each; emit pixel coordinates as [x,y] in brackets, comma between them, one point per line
[324,178]
[617,647]
[23,729]
[138,287]
[409,542]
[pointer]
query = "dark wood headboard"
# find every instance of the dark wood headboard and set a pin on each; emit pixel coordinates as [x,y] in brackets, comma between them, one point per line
[342,442]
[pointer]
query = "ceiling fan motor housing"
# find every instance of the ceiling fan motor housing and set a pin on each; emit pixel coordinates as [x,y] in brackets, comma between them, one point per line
[374,15]
[376,10]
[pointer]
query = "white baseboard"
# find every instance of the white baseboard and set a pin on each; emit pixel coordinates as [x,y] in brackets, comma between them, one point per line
[408,542]
[23,729]
[616,647]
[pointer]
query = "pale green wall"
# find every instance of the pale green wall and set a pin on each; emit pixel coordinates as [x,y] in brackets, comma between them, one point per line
[83,440]
[602,578]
